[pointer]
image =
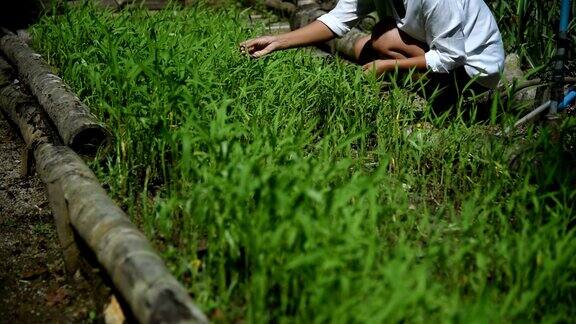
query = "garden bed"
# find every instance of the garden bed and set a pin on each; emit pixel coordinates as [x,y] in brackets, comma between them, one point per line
[290,188]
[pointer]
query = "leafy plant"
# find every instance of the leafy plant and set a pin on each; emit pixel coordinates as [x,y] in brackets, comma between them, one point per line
[530,27]
[291,189]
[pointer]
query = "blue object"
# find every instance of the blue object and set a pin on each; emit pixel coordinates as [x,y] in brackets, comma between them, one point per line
[568,99]
[559,100]
[565,16]
[561,50]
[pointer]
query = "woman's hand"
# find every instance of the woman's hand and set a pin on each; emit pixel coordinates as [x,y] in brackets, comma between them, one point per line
[379,67]
[258,47]
[315,32]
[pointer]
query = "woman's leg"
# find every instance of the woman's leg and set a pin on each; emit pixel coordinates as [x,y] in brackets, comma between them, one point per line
[387,42]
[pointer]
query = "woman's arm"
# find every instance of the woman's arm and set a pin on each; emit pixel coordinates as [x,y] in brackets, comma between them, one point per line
[313,33]
[445,35]
[335,23]
[381,66]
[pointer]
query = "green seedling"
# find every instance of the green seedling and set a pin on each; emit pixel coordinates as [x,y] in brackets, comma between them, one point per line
[293,189]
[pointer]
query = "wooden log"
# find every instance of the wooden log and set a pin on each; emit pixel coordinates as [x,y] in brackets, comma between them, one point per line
[283,7]
[306,13]
[22,109]
[342,45]
[148,4]
[77,199]
[77,127]
[278,28]
[136,270]
[345,45]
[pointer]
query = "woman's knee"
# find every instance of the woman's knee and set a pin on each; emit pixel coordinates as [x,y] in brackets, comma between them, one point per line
[396,44]
[383,26]
[389,44]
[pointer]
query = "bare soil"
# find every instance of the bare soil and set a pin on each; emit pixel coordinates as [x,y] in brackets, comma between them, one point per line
[34,287]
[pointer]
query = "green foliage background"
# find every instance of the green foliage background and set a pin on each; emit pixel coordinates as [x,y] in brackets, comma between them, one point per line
[292,189]
[530,27]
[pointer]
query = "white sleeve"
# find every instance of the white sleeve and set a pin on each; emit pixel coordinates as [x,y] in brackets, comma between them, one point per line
[445,35]
[343,17]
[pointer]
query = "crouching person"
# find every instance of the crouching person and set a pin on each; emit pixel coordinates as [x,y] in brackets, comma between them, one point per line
[456,41]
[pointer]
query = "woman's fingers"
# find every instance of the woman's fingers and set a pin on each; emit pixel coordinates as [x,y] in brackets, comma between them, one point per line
[258,47]
[377,67]
[266,50]
[369,68]
[247,46]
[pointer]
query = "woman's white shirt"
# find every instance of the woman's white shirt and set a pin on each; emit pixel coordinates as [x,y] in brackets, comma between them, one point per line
[458,32]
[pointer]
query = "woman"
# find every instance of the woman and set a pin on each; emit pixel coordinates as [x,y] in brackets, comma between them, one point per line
[459,38]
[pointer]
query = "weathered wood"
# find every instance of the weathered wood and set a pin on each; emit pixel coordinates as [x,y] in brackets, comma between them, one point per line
[64,229]
[148,4]
[76,125]
[22,110]
[278,28]
[77,199]
[136,270]
[307,12]
[283,7]
[345,44]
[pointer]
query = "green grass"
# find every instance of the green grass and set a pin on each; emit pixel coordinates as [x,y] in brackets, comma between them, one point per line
[530,27]
[291,189]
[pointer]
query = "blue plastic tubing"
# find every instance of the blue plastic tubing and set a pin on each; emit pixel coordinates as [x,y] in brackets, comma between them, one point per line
[565,16]
[568,100]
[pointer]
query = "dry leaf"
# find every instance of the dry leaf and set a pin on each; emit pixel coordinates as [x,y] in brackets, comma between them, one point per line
[113,313]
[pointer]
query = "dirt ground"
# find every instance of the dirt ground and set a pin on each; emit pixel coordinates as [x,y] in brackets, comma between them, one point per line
[33,285]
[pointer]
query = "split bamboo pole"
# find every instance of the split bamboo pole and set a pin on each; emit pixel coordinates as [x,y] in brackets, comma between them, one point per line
[283,7]
[137,271]
[22,110]
[342,45]
[81,205]
[77,127]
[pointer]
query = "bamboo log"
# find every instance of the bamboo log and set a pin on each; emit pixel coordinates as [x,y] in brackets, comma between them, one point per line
[278,28]
[148,4]
[79,202]
[76,125]
[136,270]
[22,110]
[345,44]
[285,8]
[305,14]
